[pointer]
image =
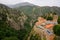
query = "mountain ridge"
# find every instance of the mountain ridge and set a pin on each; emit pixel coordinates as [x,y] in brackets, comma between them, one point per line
[21,4]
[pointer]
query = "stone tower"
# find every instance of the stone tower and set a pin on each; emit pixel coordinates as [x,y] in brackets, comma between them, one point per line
[55,18]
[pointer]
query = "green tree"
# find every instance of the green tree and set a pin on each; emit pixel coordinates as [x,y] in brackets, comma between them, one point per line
[23,34]
[58,20]
[5,29]
[50,18]
[10,38]
[56,30]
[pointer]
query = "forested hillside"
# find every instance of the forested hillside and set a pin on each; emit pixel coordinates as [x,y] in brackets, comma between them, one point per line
[17,23]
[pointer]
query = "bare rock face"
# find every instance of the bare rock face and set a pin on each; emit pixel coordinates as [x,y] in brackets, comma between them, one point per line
[13,24]
[21,20]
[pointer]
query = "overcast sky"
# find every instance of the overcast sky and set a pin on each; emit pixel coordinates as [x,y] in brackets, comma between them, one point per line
[37,2]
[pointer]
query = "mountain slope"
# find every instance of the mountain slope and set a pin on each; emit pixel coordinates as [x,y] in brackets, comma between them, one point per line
[31,9]
[13,16]
[39,10]
[18,21]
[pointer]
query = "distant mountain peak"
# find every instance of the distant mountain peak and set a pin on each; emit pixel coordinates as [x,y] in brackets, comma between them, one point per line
[21,4]
[25,3]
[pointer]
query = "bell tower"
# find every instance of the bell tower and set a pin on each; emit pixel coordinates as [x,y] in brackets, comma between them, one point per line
[55,18]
